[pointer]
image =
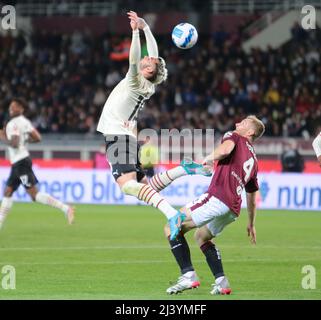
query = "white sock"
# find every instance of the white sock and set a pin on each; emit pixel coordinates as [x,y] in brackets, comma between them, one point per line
[6,205]
[161,180]
[190,274]
[147,194]
[47,199]
[219,279]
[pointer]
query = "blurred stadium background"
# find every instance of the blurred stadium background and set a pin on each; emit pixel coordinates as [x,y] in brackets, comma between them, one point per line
[65,58]
[252,57]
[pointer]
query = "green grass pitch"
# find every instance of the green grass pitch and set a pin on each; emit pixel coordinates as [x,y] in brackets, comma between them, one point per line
[119,252]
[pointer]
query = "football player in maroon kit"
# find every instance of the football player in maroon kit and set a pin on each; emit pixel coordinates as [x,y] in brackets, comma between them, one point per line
[236,170]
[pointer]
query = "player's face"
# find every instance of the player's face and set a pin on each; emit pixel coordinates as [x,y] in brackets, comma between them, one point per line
[15,109]
[244,128]
[241,126]
[148,66]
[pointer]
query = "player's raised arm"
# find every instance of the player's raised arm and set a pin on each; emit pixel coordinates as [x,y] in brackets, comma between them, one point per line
[251,209]
[135,48]
[152,47]
[317,147]
[219,153]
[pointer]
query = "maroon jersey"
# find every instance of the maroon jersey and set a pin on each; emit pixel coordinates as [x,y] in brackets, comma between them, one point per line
[234,173]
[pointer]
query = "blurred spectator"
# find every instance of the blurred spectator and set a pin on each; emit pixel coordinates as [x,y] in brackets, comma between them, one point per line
[121,50]
[298,33]
[292,161]
[67,78]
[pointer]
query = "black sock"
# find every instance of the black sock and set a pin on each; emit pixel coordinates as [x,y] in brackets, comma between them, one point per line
[181,252]
[213,258]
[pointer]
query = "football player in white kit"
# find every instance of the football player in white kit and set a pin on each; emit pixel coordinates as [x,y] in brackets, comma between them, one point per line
[118,125]
[317,147]
[17,133]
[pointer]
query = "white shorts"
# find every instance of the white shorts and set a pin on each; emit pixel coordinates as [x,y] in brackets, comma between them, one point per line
[212,212]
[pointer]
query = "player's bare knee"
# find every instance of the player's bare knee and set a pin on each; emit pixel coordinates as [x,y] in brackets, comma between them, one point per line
[121,182]
[32,193]
[124,179]
[201,236]
[187,226]
[8,193]
[188,223]
[144,180]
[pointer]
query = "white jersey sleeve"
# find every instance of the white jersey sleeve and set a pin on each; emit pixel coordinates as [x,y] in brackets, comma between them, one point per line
[152,47]
[134,60]
[317,145]
[12,130]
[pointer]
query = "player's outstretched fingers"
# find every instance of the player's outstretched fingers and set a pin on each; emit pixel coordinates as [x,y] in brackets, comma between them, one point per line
[133,13]
[133,16]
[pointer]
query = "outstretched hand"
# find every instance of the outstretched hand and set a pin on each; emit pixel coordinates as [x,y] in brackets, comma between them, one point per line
[133,20]
[251,232]
[140,23]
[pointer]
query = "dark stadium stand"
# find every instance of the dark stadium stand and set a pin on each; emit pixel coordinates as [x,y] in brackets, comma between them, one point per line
[67,77]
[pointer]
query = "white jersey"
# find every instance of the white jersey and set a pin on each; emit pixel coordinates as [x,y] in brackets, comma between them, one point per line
[21,127]
[121,109]
[317,145]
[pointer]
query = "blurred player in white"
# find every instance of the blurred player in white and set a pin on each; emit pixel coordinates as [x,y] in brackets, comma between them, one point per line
[17,134]
[118,123]
[317,147]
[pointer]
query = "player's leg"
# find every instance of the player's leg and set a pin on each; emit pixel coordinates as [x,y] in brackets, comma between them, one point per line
[6,204]
[144,192]
[213,258]
[181,252]
[12,185]
[204,236]
[122,153]
[129,185]
[187,167]
[47,199]
[29,181]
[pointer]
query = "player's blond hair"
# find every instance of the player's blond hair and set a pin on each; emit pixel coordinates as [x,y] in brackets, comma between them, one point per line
[259,127]
[161,71]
